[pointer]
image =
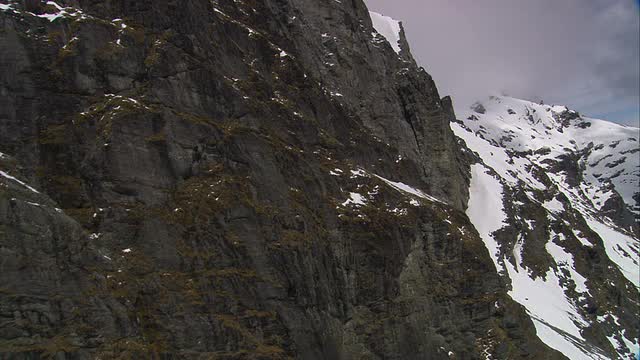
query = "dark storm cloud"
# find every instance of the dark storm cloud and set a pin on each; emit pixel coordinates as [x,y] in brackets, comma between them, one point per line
[582,53]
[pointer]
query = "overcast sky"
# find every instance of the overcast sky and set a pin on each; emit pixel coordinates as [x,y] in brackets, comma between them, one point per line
[580,53]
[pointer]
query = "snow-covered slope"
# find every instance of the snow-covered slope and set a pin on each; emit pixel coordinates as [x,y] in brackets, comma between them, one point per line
[388,28]
[553,196]
[609,152]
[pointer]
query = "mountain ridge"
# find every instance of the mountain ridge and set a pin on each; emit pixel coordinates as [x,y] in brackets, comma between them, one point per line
[606,149]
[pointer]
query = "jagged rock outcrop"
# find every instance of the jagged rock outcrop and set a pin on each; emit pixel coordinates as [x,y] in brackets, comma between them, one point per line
[234,179]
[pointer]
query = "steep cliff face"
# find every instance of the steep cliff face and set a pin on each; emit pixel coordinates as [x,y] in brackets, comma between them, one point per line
[553,195]
[234,179]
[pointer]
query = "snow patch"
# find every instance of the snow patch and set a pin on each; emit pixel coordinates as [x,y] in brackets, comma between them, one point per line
[5,175]
[557,321]
[355,199]
[410,190]
[486,210]
[389,28]
[622,249]
[554,206]
[52,17]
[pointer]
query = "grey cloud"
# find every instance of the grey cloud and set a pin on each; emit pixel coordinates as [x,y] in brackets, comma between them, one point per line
[582,53]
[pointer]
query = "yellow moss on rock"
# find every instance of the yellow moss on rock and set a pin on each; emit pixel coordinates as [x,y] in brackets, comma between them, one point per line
[54,135]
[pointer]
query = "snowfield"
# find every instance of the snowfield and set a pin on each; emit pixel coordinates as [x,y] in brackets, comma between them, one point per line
[612,151]
[486,193]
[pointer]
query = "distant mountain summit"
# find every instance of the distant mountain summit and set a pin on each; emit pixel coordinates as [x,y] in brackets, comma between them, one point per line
[555,198]
[605,156]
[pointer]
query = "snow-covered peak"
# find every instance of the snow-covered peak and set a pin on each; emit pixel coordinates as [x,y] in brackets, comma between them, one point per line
[387,27]
[533,125]
[608,151]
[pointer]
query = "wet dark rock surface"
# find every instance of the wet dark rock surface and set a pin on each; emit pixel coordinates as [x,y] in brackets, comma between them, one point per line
[194,161]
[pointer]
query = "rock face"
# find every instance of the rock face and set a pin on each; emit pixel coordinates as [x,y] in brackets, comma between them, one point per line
[235,180]
[564,189]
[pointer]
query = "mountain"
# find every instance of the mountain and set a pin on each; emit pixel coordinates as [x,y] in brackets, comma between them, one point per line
[237,179]
[553,195]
